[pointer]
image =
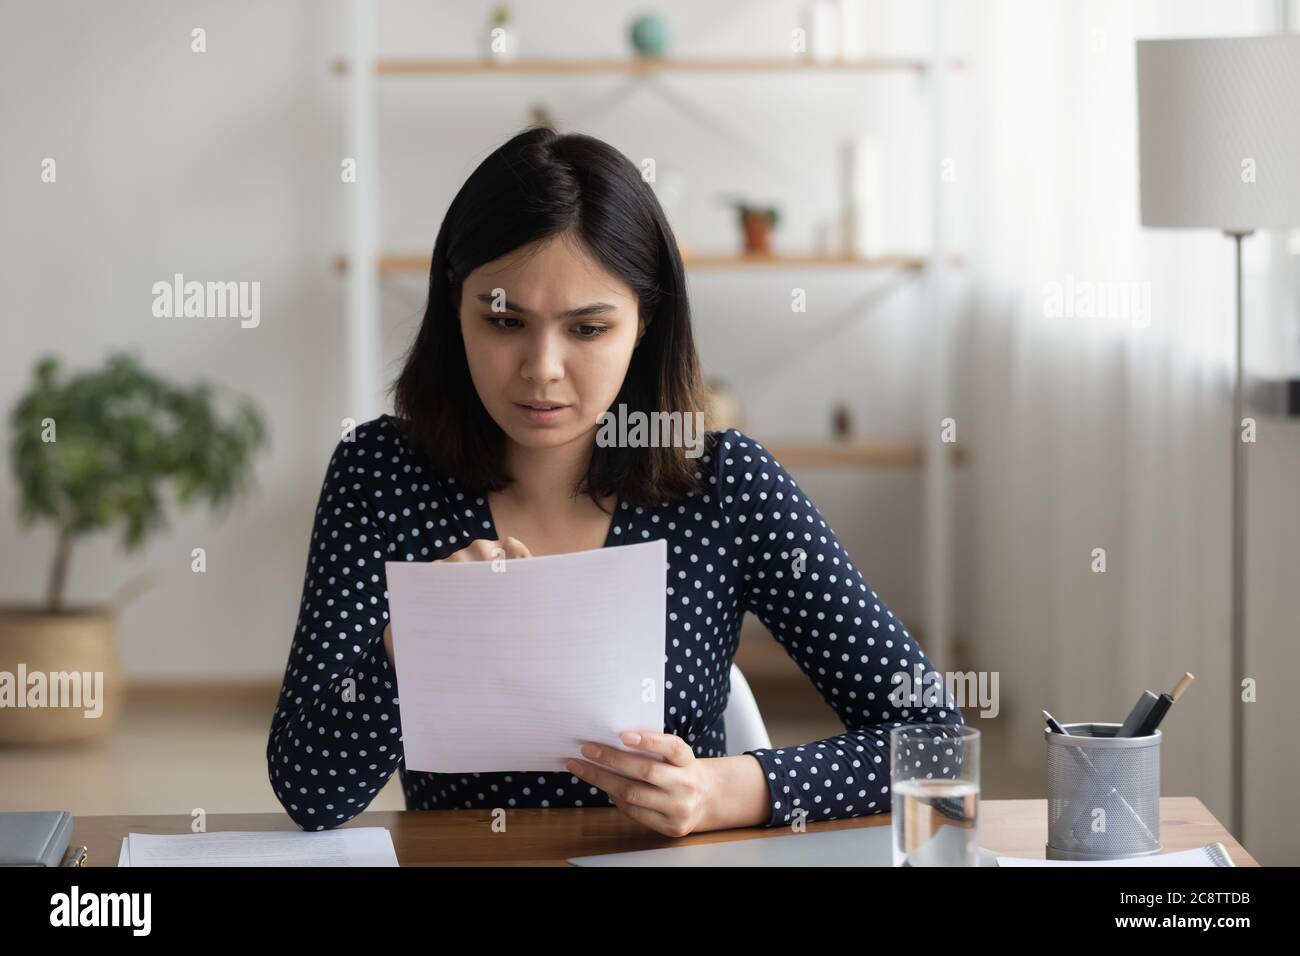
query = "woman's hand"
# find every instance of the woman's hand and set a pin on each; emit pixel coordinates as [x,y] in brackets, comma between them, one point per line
[486,549]
[680,794]
[480,549]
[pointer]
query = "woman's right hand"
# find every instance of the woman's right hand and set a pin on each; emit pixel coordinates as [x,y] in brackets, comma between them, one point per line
[480,549]
[485,549]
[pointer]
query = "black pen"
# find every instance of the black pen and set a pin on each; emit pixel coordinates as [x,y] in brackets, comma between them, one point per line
[1138,715]
[1054,725]
[1161,706]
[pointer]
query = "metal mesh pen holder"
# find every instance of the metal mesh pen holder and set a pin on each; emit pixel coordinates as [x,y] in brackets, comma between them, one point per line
[1103,794]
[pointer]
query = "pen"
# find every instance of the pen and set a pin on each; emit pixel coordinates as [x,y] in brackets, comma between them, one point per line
[1161,706]
[76,857]
[1054,725]
[1138,715]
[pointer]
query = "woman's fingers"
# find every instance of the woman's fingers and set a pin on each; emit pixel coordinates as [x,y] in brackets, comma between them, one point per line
[514,548]
[632,792]
[669,746]
[488,549]
[474,551]
[484,549]
[636,766]
[652,819]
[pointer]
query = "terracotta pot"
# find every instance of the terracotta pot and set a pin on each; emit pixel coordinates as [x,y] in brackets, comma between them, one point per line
[758,233]
[34,644]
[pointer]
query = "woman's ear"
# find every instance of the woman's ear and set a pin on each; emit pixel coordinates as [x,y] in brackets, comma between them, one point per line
[641,327]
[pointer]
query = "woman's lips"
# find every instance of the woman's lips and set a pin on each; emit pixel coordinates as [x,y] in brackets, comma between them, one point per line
[538,414]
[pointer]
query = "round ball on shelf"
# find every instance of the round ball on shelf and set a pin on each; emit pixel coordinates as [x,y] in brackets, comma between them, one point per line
[649,35]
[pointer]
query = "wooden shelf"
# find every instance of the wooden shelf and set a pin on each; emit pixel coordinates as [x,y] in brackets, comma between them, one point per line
[412,264]
[405,265]
[856,453]
[629,65]
[783,261]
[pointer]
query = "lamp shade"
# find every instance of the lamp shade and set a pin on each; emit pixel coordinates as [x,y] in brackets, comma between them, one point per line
[1219,132]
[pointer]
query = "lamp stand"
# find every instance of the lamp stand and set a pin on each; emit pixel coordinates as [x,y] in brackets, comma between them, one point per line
[1238,597]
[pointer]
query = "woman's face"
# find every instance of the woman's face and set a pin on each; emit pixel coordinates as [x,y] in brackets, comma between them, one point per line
[553,356]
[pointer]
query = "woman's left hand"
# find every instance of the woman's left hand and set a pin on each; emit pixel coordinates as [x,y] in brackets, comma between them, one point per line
[673,796]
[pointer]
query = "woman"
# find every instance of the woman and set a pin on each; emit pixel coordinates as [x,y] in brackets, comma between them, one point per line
[556,293]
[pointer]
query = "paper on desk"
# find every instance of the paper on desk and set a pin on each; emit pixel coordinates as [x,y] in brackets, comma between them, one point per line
[1215,854]
[506,665]
[353,846]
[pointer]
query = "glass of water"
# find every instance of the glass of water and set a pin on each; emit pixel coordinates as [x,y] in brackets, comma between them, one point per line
[935,783]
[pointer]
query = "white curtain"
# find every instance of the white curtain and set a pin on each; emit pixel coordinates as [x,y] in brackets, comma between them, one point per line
[1096,432]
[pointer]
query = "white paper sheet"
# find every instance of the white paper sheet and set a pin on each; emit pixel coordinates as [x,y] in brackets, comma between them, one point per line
[507,665]
[351,846]
[1215,854]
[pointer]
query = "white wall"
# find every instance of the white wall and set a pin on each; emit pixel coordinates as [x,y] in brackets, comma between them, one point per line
[214,166]
[225,166]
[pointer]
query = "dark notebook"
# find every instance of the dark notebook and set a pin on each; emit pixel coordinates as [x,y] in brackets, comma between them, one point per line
[38,838]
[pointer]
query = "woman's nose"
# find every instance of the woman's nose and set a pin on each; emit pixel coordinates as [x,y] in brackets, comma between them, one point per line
[544,361]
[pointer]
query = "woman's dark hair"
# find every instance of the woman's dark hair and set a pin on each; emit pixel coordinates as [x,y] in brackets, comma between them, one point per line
[538,185]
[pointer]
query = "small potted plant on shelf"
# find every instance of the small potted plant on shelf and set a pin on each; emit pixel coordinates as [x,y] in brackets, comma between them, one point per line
[93,452]
[756,223]
[503,39]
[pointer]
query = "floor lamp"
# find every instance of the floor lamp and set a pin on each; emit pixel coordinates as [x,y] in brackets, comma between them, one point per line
[1219,147]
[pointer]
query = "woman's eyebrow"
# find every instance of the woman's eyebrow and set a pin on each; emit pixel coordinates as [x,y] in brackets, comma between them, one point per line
[596,308]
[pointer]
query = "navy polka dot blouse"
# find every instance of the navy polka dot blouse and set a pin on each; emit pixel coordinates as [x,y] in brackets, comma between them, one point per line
[733,546]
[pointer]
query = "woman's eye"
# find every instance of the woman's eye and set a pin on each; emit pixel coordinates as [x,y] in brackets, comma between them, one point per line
[591,331]
[499,321]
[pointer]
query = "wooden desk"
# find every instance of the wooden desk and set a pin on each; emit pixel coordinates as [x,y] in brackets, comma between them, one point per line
[549,837]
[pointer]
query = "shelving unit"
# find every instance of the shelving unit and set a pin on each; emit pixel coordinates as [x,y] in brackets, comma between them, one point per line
[364,66]
[881,453]
[418,264]
[627,65]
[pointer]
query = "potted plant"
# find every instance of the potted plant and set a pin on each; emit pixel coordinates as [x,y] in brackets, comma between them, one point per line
[757,223]
[502,39]
[94,452]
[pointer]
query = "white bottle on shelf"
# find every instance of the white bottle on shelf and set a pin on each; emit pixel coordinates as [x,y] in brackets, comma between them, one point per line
[822,23]
[853,17]
[861,197]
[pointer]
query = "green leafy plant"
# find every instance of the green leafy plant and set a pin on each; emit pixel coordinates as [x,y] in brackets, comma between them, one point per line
[746,209]
[770,213]
[95,450]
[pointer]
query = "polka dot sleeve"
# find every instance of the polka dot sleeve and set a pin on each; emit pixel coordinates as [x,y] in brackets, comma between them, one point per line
[801,584]
[335,737]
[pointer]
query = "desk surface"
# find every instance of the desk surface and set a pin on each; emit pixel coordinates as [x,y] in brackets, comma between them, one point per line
[549,837]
